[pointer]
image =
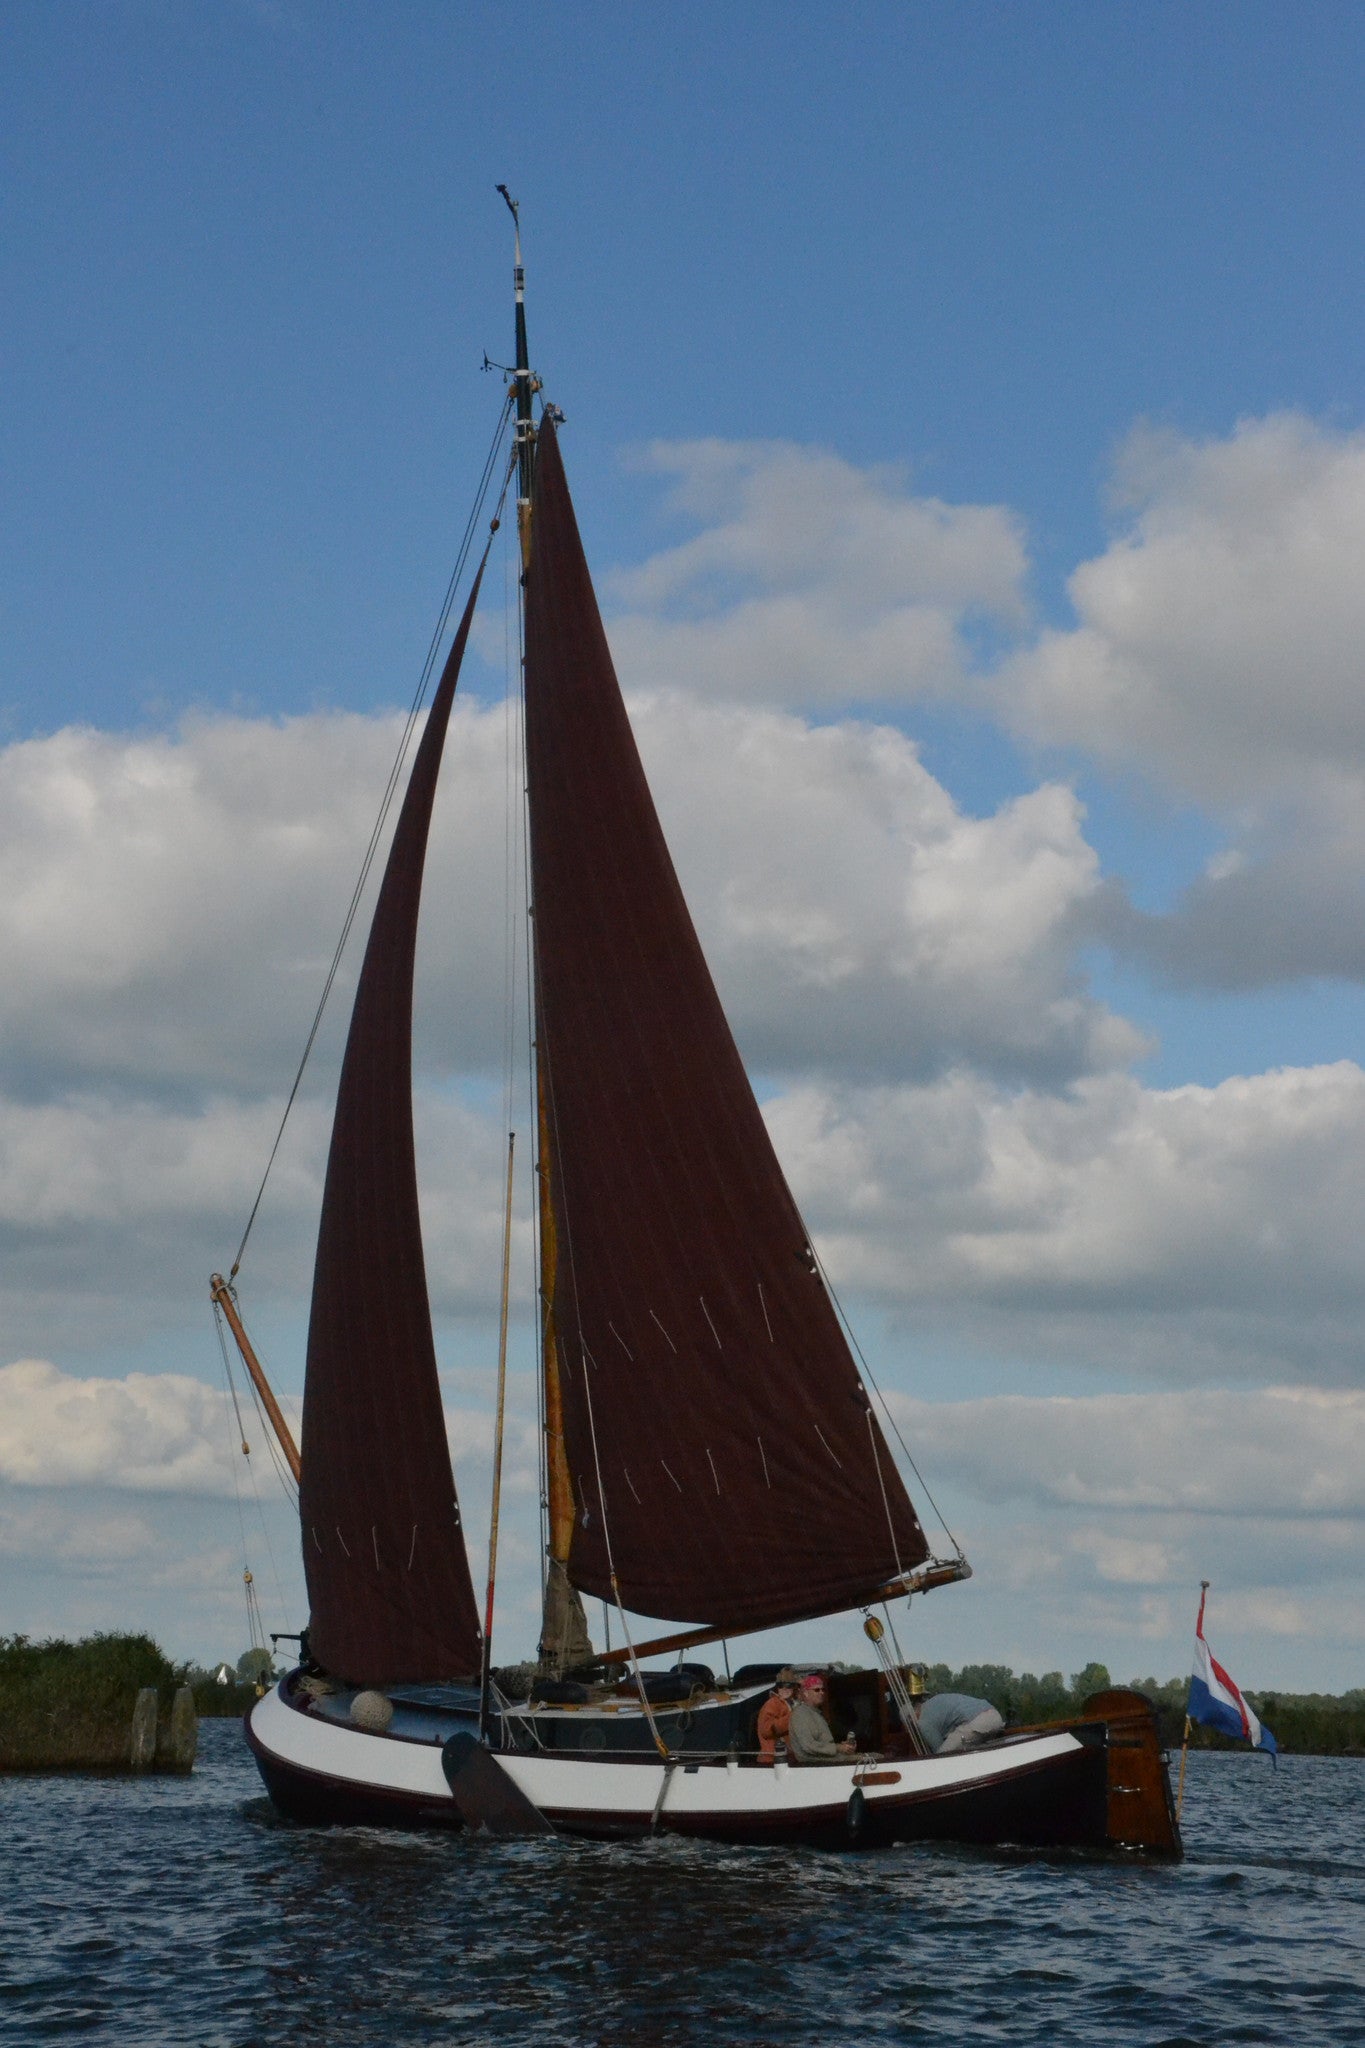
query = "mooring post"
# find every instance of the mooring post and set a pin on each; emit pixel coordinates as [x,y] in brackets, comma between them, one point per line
[143,1752]
[184,1732]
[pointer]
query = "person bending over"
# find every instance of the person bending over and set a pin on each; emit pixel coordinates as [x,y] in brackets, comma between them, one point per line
[953,1721]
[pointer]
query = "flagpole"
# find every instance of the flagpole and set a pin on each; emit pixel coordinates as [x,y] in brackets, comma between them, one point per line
[1185,1743]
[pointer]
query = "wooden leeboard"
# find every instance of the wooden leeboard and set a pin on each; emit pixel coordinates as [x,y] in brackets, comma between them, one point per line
[1140,1812]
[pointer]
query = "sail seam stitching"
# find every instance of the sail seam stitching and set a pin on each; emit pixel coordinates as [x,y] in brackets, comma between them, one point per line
[825,1441]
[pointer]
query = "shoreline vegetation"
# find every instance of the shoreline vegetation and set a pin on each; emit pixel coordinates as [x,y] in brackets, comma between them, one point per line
[107,1704]
[116,1703]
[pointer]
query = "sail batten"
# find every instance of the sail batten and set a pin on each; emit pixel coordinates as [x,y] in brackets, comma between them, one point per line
[389,1588]
[743,1479]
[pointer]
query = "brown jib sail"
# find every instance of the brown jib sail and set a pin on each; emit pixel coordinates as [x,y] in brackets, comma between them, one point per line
[383,1550]
[725,1460]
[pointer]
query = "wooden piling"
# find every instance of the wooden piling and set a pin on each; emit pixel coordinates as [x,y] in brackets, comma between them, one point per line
[184,1734]
[142,1756]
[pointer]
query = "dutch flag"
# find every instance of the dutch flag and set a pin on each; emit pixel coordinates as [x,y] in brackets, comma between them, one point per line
[1215,1700]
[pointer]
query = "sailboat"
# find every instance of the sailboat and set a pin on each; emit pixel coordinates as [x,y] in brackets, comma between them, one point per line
[713,1454]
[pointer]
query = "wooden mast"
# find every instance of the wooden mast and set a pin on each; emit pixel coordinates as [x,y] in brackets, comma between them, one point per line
[564,1639]
[526,387]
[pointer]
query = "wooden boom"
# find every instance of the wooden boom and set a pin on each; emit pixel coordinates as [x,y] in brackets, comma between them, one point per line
[922,1581]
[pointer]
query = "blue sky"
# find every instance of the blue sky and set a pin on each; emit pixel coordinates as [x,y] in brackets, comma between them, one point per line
[1041,282]
[253,255]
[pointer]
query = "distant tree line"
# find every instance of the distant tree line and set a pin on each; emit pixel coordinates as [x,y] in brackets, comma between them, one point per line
[79,1686]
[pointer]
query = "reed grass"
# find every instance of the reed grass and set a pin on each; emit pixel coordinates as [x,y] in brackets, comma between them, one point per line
[69,1706]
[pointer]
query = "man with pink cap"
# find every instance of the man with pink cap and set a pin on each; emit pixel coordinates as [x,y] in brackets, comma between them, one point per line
[808,1734]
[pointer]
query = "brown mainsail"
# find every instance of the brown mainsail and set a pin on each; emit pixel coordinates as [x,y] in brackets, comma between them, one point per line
[384,1556]
[725,1460]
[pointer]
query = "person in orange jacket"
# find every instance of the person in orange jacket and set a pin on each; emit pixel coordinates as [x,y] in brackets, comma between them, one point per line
[774,1718]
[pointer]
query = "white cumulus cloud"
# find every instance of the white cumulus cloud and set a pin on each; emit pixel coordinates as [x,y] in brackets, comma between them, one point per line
[1184,1233]
[855,915]
[811,581]
[1252,1452]
[1218,638]
[147,1432]
[1217,651]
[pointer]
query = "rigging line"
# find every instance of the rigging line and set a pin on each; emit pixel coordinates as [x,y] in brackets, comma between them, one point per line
[272,1447]
[886,1505]
[523,812]
[895,1639]
[640,1685]
[282,1472]
[509,875]
[269,1546]
[376,835]
[255,1626]
[498,1427]
[895,1679]
[886,1410]
[241,1433]
[509,907]
[222,1343]
[248,1581]
[251,1469]
[519,1023]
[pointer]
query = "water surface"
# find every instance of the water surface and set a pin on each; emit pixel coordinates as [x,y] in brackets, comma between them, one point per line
[184,1911]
